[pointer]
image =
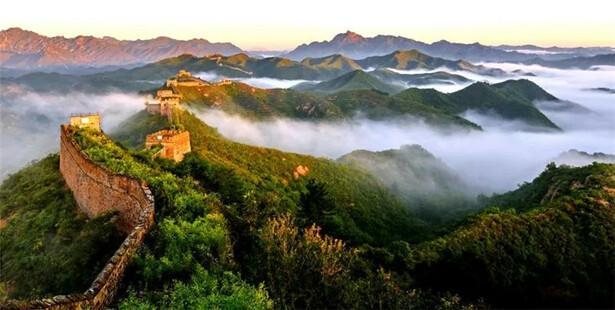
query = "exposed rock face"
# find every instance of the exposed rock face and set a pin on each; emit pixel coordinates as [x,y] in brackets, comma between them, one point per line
[300,171]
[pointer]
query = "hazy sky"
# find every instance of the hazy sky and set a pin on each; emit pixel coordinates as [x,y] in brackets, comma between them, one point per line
[278,24]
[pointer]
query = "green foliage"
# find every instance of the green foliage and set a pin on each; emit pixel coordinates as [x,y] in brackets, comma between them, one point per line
[433,191]
[230,209]
[555,182]
[510,100]
[353,80]
[557,255]
[204,291]
[47,247]
[307,270]
[134,129]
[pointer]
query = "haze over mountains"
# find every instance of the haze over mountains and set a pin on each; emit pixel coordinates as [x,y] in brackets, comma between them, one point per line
[26,50]
[356,46]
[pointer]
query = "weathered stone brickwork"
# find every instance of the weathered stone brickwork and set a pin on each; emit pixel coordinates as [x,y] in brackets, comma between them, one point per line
[97,190]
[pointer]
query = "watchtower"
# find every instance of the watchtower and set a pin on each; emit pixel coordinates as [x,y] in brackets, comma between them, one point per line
[175,143]
[91,120]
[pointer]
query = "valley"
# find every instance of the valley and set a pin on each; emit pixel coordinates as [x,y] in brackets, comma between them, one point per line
[360,172]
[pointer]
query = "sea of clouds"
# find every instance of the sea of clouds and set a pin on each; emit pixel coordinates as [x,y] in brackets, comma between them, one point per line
[30,121]
[495,160]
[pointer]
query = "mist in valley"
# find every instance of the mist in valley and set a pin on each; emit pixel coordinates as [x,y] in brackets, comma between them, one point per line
[504,155]
[259,82]
[496,160]
[30,121]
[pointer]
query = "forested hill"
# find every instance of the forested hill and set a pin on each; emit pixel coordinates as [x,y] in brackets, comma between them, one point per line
[511,100]
[241,226]
[251,102]
[552,246]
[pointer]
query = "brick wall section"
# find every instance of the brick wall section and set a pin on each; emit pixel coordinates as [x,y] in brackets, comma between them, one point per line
[98,190]
[135,203]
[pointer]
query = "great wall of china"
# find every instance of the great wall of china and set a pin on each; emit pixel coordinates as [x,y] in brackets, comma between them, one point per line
[98,190]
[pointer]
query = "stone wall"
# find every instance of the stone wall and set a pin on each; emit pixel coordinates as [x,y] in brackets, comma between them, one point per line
[91,183]
[98,190]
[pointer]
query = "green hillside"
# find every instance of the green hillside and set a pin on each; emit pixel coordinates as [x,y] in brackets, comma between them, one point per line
[258,166]
[251,102]
[486,98]
[439,77]
[354,80]
[377,105]
[511,100]
[268,210]
[413,59]
[48,247]
[240,65]
[333,62]
[552,248]
[247,227]
[428,186]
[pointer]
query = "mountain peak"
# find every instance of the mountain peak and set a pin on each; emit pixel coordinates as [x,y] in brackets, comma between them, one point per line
[348,36]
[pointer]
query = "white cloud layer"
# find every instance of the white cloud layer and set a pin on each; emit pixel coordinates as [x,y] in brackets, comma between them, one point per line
[495,160]
[30,121]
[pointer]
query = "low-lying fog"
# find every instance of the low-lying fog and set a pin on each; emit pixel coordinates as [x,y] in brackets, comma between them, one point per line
[261,82]
[494,160]
[30,121]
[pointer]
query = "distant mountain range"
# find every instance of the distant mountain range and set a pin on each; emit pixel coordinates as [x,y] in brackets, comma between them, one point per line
[576,62]
[26,49]
[356,46]
[244,66]
[359,93]
[324,68]
[383,80]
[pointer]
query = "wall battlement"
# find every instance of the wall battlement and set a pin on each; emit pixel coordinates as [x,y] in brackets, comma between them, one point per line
[98,190]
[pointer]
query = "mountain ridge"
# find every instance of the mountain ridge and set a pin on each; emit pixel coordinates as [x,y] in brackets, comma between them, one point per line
[27,49]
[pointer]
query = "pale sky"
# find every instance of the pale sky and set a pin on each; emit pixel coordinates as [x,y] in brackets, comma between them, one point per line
[277,24]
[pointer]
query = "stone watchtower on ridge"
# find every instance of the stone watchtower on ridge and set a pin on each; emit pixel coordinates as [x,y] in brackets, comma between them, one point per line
[175,143]
[90,120]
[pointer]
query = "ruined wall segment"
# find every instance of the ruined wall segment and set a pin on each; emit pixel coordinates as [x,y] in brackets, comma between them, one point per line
[97,190]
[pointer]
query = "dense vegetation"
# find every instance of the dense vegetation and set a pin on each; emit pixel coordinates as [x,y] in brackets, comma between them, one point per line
[47,247]
[220,211]
[239,226]
[428,186]
[551,247]
[242,99]
[512,100]
[439,77]
[353,80]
